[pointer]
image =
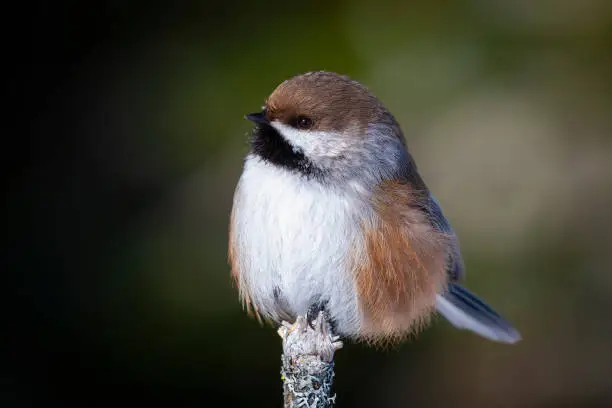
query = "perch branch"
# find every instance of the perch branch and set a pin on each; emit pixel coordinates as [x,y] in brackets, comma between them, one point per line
[308,363]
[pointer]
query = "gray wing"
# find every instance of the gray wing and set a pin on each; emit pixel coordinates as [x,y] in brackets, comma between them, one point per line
[455,268]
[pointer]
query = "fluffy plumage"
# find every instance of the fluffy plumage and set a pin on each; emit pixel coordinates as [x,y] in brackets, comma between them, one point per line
[403,267]
[330,209]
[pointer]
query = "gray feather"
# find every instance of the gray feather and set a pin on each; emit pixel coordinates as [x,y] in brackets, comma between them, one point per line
[465,310]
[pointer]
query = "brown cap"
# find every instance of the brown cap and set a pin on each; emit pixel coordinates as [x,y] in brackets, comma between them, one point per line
[327,101]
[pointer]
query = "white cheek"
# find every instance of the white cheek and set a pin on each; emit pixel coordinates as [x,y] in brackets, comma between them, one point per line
[313,143]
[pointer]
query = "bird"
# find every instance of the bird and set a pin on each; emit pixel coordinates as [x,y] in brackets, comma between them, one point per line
[330,215]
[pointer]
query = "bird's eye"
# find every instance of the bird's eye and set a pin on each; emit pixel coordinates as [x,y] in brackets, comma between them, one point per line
[303,122]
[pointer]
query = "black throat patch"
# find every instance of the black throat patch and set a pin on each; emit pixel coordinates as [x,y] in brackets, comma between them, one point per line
[270,145]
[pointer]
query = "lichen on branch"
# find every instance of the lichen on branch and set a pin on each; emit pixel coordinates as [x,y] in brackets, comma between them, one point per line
[308,363]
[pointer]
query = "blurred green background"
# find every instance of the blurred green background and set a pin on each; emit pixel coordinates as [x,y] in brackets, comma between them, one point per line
[130,138]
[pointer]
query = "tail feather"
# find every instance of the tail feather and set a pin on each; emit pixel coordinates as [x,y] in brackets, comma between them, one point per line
[465,310]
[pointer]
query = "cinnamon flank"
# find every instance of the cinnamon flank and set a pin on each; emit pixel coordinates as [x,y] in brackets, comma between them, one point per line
[234,262]
[402,267]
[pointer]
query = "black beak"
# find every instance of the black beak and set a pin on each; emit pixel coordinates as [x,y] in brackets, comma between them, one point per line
[259,118]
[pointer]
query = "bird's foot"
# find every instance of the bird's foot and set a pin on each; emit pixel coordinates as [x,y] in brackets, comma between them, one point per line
[315,310]
[310,338]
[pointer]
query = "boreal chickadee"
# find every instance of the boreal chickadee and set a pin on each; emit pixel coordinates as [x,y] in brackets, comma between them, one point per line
[330,213]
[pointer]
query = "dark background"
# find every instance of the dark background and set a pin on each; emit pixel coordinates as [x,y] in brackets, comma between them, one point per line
[124,140]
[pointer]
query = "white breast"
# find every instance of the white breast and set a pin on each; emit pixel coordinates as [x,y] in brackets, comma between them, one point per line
[293,235]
